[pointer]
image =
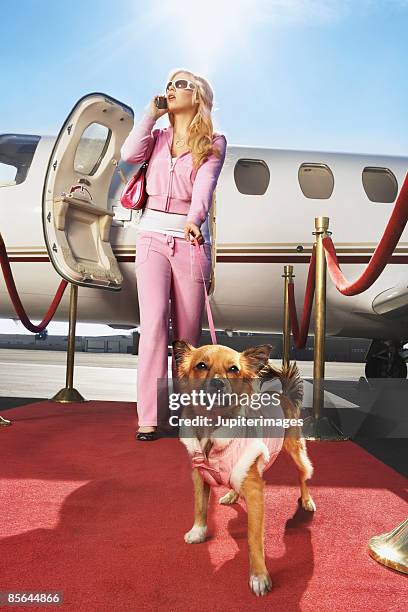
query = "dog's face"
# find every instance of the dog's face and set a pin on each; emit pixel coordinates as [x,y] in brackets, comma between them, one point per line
[219,368]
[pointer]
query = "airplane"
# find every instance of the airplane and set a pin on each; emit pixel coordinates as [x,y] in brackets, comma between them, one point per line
[61,217]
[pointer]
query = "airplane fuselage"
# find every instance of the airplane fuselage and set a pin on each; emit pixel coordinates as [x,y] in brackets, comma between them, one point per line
[256,235]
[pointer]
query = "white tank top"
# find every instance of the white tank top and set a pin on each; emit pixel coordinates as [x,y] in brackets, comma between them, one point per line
[166,223]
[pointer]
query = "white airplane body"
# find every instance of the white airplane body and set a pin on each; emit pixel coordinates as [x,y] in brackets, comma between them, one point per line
[256,235]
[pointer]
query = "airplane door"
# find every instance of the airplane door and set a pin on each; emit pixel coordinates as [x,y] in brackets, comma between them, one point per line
[76,218]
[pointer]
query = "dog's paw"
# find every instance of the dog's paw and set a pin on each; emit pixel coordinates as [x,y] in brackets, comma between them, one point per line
[196,535]
[308,504]
[229,498]
[260,584]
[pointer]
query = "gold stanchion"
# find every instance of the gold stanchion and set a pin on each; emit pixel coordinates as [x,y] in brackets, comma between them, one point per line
[4,422]
[288,276]
[317,427]
[321,227]
[391,549]
[68,393]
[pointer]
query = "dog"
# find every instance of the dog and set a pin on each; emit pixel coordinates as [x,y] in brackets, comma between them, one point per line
[217,366]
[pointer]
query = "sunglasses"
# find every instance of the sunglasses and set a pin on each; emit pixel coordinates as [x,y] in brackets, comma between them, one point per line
[180,84]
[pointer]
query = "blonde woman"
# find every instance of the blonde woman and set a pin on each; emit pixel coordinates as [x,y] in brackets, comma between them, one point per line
[186,159]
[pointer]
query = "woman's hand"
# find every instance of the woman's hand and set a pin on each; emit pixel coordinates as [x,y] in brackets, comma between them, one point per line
[190,230]
[155,112]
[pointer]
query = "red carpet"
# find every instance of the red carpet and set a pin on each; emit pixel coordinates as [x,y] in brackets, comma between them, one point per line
[87,510]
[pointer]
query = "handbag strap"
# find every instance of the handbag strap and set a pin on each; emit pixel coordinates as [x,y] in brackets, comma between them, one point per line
[207,301]
[143,167]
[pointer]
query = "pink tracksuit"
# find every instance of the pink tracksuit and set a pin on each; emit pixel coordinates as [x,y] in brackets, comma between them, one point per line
[167,267]
[176,188]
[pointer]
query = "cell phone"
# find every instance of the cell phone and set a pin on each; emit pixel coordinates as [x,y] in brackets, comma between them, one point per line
[161,101]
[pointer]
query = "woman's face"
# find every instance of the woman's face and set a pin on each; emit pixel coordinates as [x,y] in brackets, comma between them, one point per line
[179,100]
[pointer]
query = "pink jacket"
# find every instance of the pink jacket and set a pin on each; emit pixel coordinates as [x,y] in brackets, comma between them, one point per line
[173,188]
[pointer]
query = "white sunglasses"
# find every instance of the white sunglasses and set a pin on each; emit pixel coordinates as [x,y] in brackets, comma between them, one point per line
[180,84]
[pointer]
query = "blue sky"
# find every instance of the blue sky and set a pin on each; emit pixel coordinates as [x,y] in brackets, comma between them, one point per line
[309,74]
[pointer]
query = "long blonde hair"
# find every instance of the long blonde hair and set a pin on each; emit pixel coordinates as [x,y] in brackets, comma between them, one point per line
[200,131]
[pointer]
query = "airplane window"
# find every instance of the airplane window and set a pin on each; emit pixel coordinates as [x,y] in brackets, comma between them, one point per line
[380,184]
[16,154]
[91,148]
[251,176]
[316,181]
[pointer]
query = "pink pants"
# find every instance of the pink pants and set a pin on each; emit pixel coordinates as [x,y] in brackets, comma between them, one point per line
[167,267]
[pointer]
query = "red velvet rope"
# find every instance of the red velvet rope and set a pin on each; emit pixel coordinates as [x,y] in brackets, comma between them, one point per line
[18,307]
[300,337]
[379,258]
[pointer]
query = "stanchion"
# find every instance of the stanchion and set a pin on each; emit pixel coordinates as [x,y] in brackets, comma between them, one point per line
[288,276]
[391,549]
[317,427]
[4,422]
[321,227]
[68,393]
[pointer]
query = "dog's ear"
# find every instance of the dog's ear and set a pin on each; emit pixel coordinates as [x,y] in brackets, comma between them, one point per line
[256,357]
[180,350]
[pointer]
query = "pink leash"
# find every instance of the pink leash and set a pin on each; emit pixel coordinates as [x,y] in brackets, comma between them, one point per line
[207,301]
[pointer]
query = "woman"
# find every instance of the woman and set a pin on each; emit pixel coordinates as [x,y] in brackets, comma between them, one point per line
[186,159]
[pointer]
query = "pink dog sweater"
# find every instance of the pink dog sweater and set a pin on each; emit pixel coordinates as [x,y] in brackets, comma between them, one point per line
[229,460]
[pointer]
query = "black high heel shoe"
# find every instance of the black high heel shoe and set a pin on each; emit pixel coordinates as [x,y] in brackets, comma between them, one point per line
[146,436]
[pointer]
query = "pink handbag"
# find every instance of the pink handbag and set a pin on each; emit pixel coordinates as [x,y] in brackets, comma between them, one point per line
[134,194]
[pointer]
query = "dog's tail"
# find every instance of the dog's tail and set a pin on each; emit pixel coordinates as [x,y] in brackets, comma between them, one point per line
[291,402]
[291,381]
[292,384]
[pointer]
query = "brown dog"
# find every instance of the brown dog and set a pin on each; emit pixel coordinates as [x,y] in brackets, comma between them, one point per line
[224,367]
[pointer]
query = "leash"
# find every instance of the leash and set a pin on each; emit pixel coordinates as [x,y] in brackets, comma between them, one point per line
[207,301]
